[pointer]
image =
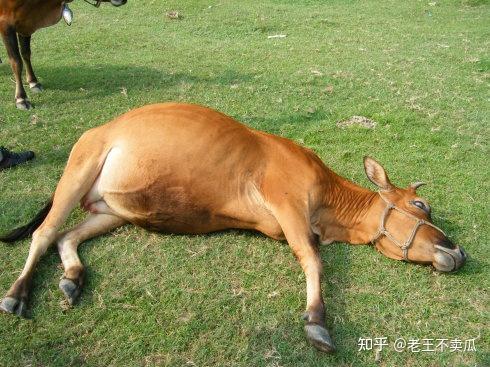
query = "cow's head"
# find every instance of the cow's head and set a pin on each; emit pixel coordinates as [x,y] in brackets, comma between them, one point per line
[405,229]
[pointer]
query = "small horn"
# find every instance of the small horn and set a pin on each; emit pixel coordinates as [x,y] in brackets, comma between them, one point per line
[416,185]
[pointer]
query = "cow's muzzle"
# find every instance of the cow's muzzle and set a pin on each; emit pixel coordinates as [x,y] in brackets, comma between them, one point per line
[446,259]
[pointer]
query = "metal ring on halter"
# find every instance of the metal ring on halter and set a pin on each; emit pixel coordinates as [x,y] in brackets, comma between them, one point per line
[382,231]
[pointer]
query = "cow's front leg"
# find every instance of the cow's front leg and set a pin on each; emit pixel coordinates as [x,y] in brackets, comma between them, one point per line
[307,253]
[25,50]
[297,229]
[9,37]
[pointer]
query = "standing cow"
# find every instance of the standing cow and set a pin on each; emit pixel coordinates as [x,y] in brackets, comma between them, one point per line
[19,19]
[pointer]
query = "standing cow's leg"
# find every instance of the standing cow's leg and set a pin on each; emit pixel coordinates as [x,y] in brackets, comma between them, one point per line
[94,225]
[296,228]
[25,50]
[9,37]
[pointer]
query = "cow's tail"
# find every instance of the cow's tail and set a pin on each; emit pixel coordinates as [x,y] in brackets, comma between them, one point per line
[27,230]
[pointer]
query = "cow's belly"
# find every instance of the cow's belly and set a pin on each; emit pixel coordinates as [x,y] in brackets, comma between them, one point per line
[30,19]
[177,199]
[173,210]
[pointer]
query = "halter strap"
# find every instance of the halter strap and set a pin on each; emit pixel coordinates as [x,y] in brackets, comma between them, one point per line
[382,231]
[96,3]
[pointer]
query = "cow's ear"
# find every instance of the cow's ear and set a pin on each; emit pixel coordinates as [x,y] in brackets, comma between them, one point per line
[377,174]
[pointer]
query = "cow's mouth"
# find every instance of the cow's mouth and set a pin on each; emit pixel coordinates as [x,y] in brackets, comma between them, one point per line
[446,259]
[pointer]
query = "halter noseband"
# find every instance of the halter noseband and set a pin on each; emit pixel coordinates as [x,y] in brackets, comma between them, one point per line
[382,231]
[96,3]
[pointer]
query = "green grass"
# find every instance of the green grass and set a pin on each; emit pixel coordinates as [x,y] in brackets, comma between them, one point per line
[420,69]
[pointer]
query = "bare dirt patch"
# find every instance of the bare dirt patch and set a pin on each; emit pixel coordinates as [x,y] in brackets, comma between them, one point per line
[357,121]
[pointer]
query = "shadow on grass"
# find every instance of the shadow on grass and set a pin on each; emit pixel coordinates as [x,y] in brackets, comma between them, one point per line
[279,124]
[336,280]
[106,79]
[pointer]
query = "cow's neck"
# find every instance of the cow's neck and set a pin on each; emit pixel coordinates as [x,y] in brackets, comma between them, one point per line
[347,213]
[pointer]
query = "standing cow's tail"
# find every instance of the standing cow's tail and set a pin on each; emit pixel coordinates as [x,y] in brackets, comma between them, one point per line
[27,230]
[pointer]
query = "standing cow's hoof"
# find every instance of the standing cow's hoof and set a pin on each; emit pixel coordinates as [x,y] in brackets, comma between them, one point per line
[13,306]
[36,88]
[319,337]
[23,104]
[70,289]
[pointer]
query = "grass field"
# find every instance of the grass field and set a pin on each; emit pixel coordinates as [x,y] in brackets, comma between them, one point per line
[420,69]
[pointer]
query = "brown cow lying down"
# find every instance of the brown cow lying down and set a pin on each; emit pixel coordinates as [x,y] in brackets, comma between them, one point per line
[183,168]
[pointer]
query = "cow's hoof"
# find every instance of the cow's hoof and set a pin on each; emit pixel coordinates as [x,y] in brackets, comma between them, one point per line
[13,306]
[70,289]
[23,104]
[36,88]
[319,337]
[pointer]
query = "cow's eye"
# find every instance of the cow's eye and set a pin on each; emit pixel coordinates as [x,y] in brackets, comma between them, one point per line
[421,205]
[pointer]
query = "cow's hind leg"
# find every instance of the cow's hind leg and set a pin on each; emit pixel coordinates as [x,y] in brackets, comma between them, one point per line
[15,300]
[83,166]
[25,51]
[94,225]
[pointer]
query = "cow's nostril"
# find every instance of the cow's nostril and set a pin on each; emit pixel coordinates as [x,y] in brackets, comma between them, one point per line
[463,253]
